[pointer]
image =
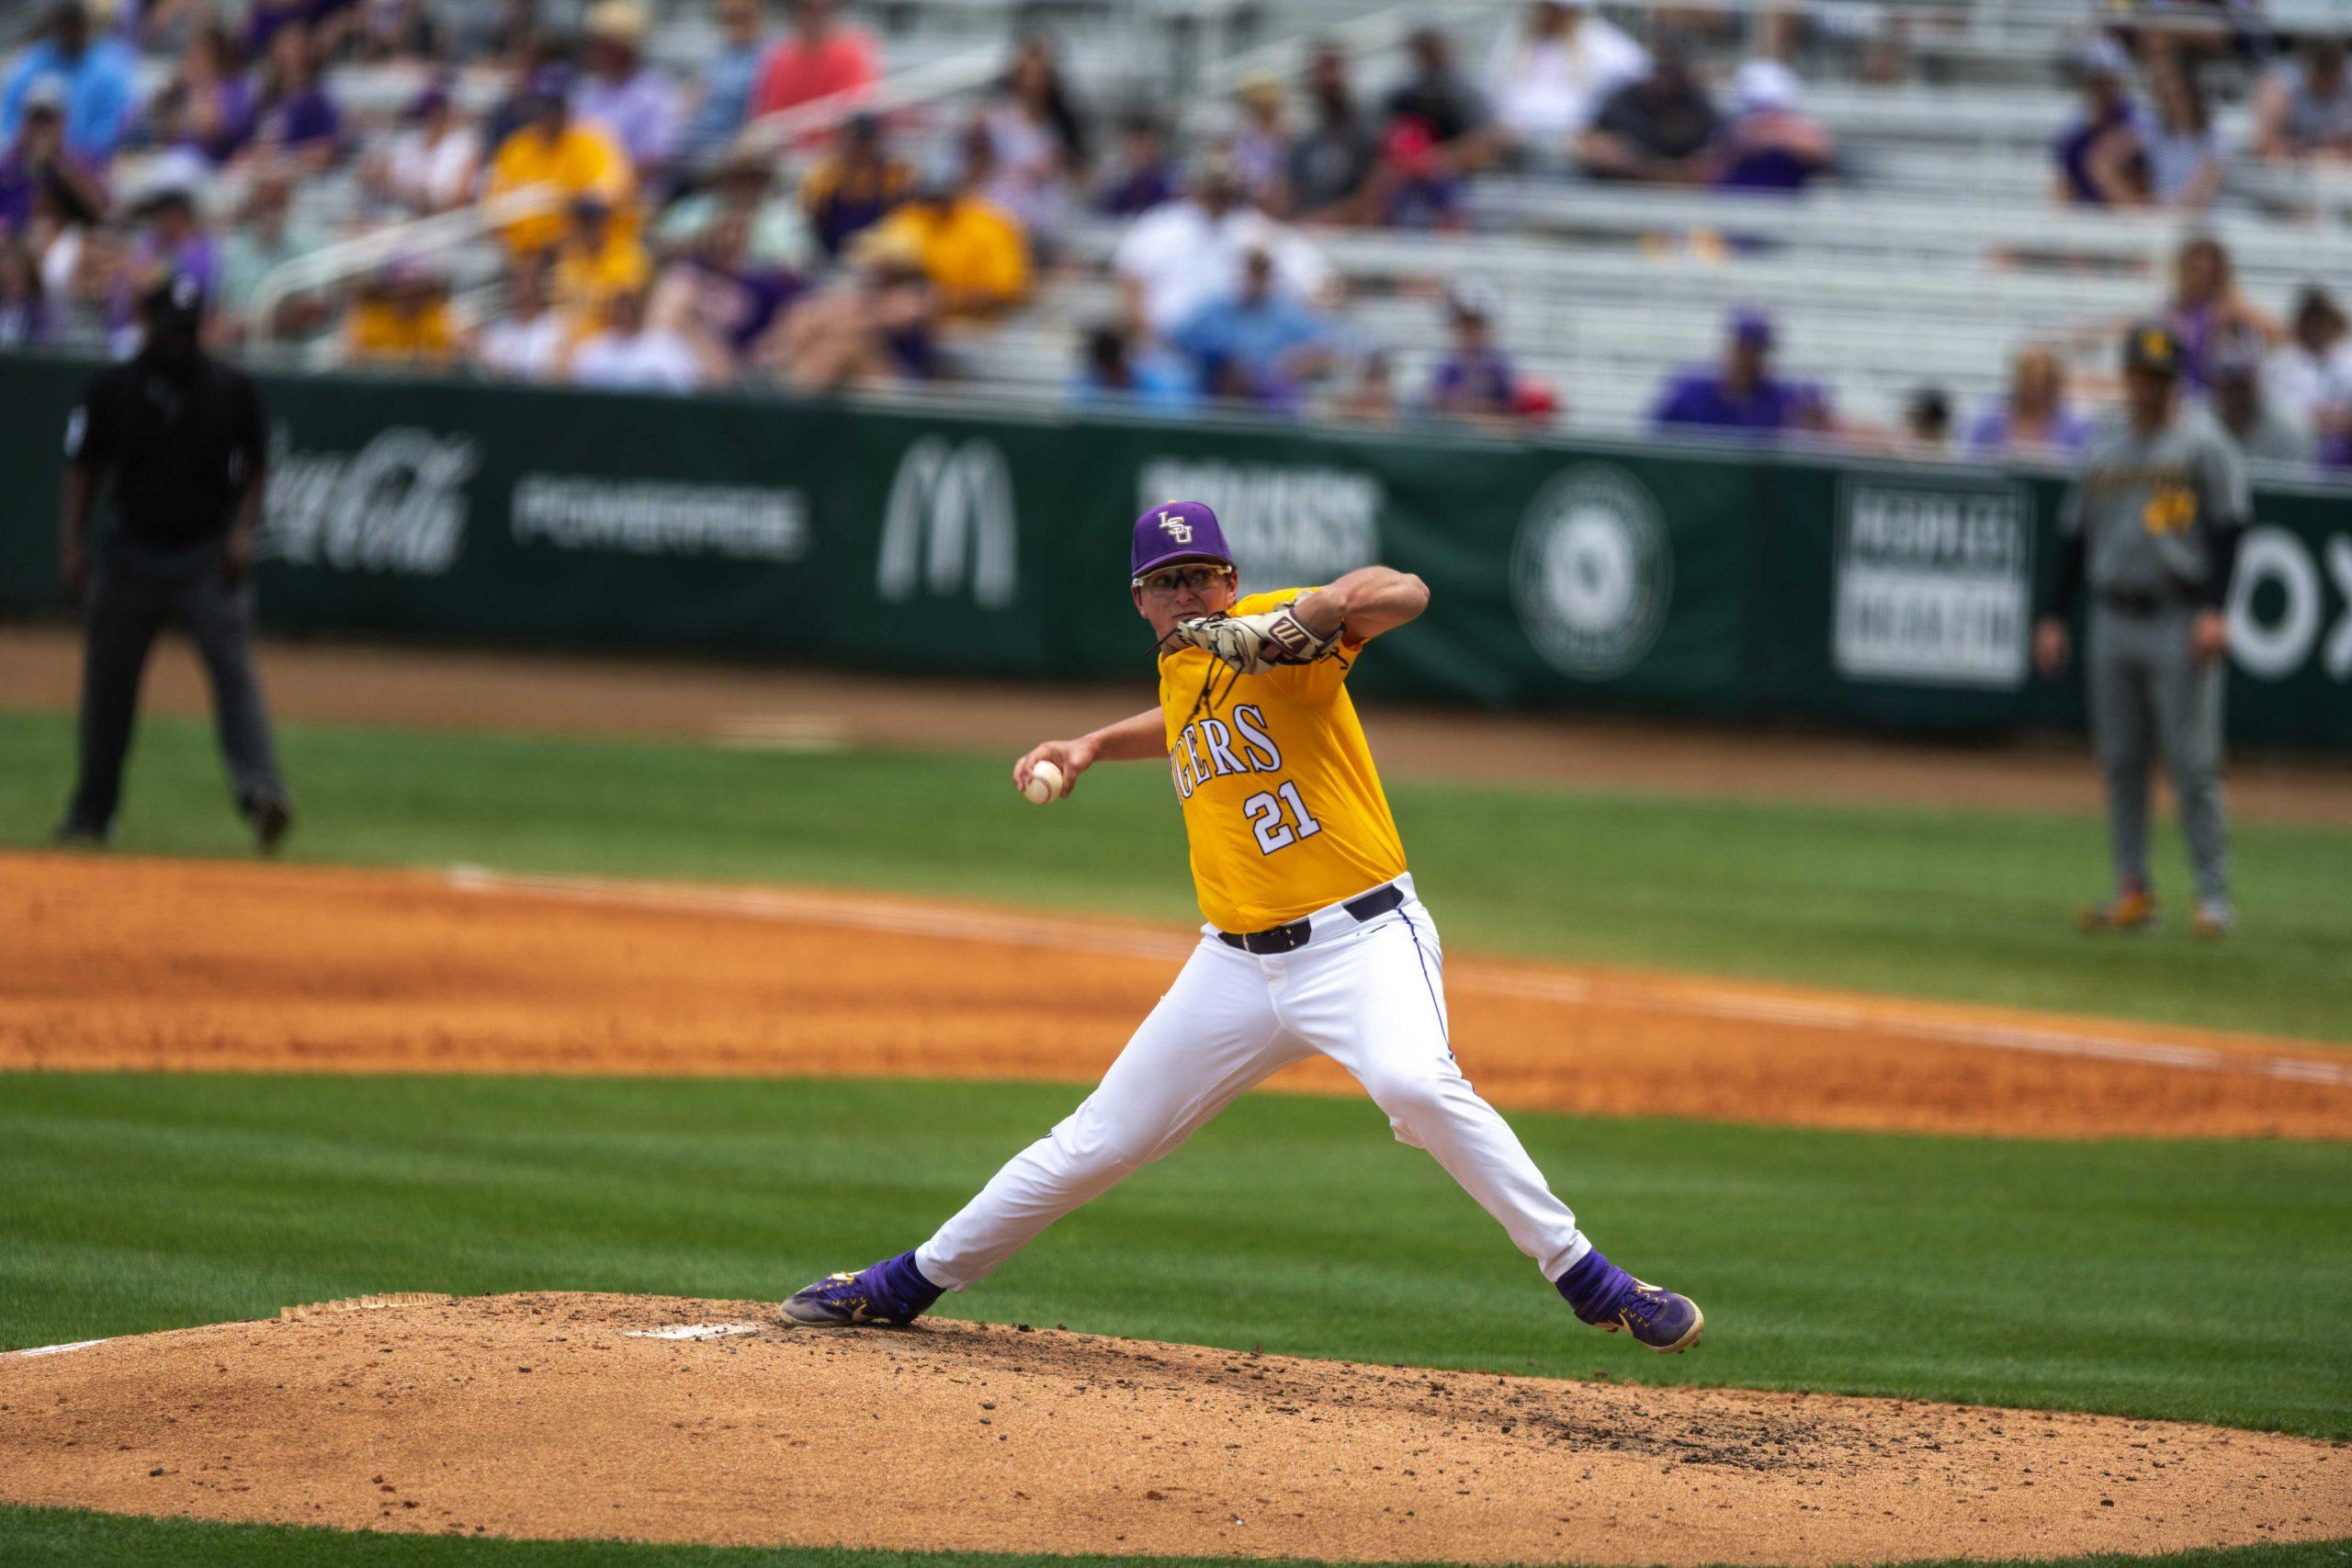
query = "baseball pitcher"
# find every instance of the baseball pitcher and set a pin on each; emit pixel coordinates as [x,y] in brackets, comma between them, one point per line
[1314,941]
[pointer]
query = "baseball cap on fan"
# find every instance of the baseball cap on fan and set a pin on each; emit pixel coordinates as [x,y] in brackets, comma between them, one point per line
[1176,531]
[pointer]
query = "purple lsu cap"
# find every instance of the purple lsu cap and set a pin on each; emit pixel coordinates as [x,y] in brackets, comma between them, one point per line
[1174,531]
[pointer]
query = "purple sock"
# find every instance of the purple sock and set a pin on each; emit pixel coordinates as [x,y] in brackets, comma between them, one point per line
[909,1293]
[1593,1284]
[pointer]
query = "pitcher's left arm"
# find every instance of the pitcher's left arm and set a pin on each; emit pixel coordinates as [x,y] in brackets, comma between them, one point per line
[1363,604]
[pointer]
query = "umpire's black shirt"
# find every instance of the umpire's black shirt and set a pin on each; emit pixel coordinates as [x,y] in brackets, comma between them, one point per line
[180,436]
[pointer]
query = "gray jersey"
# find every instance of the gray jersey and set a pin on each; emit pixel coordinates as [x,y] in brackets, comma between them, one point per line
[2150,504]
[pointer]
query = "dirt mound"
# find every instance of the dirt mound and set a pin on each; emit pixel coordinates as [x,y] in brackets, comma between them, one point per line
[301,969]
[574,1415]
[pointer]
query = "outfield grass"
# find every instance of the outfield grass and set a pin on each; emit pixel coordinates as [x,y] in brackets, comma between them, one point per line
[1952,904]
[40,1538]
[2198,1281]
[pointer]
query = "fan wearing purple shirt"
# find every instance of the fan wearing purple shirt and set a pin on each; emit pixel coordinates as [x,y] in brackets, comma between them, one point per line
[1473,378]
[1744,397]
[2102,155]
[294,116]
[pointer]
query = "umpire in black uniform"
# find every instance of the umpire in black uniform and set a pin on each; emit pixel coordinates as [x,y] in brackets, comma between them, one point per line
[176,437]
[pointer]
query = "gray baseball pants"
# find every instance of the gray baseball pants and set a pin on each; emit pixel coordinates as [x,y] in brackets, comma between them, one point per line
[2150,698]
[126,609]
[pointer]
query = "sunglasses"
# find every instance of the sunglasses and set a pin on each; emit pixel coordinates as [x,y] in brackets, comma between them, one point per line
[1177,578]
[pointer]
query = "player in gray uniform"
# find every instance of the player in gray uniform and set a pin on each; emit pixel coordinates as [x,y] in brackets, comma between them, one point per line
[2152,522]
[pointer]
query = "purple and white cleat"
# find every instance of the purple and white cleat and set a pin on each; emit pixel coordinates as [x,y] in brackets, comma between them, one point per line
[890,1293]
[1610,1299]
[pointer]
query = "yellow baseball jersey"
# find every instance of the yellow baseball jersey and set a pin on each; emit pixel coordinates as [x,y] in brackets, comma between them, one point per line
[1282,807]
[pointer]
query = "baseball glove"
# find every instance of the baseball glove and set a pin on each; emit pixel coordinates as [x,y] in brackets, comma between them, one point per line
[1251,644]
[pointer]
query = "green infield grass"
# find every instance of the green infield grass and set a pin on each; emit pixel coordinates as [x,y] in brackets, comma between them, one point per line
[41,1538]
[2196,1281]
[1968,906]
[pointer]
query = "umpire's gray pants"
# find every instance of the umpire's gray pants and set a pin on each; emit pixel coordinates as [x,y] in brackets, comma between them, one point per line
[2149,698]
[126,609]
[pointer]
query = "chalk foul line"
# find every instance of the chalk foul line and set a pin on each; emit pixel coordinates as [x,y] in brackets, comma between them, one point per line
[807,906]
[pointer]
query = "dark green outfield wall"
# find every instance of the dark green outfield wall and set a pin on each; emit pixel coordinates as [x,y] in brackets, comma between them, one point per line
[1566,574]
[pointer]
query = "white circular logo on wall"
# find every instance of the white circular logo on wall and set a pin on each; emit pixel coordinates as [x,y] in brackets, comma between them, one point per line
[1591,572]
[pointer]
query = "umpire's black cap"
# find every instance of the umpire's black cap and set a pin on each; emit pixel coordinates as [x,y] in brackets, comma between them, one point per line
[174,306]
[2152,347]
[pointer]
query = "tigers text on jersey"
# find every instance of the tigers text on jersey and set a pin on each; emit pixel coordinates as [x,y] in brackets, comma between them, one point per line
[1283,807]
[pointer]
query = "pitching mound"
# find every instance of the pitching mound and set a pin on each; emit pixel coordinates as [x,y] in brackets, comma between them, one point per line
[591,1415]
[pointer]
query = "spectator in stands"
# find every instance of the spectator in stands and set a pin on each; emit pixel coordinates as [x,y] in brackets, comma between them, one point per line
[1770,144]
[569,156]
[628,97]
[1547,79]
[1415,184]
[1119,368]
[2207,304]
[2264,433]
[1257,343]
[1261,150]
[74,259]
[1473,378]
[1743,397]
[95,76]
[1332,162]
[2183,150]
[1439,97]
[2033,421]
[207,106]
[597,261]
[24,312]
[973,252]
[295,123]
[172,241]
[878,327]
[635,353]
[1175,258]
[525,342]
[1144,176]
[265,238]
[1927,424]
[1655,128]
[1038,143]
[744,186]
[2303,107]
[432,165]
[721,294]
[854,187]
[1370,394]
[818,59]
[37,158]
[2102,154]
[2309,378]
[403,320]
[397,31]
[722,99]
[543,59]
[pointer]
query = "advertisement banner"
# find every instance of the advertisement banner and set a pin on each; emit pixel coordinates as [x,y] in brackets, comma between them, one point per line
[1720,583]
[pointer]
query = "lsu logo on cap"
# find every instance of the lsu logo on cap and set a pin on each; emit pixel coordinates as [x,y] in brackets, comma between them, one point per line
[1177,528]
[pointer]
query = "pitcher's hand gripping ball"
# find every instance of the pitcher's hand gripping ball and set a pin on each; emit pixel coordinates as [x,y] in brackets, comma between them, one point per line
[1251,645]
[1045,783]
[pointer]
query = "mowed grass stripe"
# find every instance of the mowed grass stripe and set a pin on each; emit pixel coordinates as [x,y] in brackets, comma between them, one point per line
[2194,1280]
[1970,906]
[46,1538]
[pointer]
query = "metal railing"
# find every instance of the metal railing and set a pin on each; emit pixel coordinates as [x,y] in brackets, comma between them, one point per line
[349,258]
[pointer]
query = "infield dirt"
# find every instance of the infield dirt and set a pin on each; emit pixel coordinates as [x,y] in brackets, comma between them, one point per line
[193,965]
[548,1415]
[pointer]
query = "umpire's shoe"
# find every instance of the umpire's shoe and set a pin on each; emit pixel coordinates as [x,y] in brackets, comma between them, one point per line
[2133,909]
[1610,1299]
[892,1292]
[271,819]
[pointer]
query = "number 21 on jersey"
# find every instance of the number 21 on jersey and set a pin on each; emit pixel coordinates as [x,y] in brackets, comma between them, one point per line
[1266,818]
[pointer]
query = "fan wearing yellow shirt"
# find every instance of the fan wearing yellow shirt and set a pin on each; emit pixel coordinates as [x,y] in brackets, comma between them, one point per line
[569,157]
[1315,942]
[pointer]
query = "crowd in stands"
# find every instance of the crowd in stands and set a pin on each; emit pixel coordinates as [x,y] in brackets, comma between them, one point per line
[657,230]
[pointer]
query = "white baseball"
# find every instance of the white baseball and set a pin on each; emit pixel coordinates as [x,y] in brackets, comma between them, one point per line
[1045,783]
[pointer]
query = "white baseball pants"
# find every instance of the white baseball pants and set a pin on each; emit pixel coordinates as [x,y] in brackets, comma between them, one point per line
[1370,996]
